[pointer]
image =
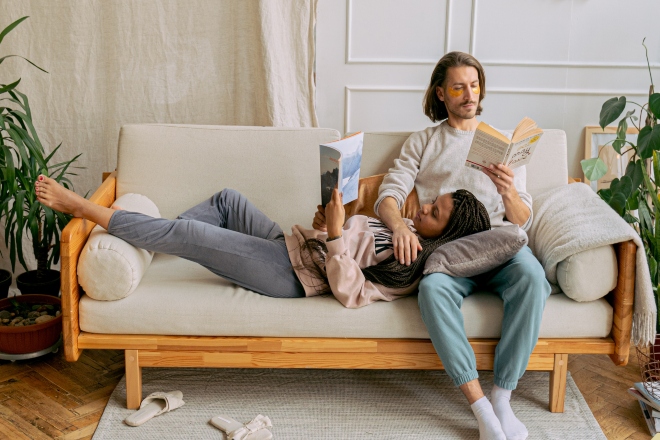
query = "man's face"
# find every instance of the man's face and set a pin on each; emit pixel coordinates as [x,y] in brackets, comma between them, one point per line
[460,92]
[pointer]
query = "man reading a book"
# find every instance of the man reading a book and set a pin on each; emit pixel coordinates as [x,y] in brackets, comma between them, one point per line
[432,161]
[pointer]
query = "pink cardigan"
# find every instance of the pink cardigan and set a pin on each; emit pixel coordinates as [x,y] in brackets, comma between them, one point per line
[365,242]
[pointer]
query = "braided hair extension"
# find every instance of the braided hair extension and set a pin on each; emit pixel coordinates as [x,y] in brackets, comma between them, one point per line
[468,216]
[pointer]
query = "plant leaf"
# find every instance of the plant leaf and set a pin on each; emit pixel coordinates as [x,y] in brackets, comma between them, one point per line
[9,87]
[618,202]
[593,168]
[634,171]
[654,104]
[644,142]
[611,110]
[625,187]
[9,28]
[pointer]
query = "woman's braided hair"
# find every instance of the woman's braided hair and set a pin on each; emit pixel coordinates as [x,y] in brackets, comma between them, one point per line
[468,216]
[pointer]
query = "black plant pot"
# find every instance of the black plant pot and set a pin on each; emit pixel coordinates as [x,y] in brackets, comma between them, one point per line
[5,282]
[28,283]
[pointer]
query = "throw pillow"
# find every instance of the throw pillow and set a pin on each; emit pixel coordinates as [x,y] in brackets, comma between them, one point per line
[109,268]
[477,253]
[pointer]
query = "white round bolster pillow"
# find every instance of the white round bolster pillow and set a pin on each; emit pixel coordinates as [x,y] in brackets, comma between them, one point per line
[588,275]
[109,268]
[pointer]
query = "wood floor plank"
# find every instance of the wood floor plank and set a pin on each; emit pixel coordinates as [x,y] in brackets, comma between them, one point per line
[19,427]
[31,417]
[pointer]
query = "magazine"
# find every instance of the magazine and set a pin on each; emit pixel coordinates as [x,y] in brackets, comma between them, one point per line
[340,167]
[490,147]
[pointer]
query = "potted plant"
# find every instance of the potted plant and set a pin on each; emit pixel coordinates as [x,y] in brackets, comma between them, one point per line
[22,160]
[635,195]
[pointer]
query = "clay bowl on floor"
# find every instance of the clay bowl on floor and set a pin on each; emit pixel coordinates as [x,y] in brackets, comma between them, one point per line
[31,338]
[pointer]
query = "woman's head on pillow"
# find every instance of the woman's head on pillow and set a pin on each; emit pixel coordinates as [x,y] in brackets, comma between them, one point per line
[466,216]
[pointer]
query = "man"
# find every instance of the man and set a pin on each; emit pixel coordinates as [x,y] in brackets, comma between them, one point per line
[433,161]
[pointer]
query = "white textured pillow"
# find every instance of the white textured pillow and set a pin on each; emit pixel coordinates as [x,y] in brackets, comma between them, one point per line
[109,268]
[588,275]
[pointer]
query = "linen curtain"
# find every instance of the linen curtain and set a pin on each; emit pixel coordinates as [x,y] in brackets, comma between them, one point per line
[116,62]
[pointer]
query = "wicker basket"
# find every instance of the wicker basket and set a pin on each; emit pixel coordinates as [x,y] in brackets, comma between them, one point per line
[31,338]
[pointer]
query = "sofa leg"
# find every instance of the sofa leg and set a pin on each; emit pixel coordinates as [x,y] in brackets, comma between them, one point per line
[558,383]
[133,379]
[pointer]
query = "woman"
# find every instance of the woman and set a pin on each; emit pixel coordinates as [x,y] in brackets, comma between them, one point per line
[233,239]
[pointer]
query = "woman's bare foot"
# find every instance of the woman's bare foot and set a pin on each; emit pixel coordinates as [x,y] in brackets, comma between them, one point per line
[55,196]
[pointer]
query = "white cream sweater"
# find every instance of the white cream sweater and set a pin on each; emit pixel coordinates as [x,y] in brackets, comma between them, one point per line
[433,161]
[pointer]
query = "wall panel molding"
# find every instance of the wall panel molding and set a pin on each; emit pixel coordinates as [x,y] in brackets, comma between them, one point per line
[564,64]
[350,59]
[496,90]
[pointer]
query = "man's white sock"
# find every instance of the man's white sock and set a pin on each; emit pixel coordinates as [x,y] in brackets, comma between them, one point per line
[489,425]
[512,427]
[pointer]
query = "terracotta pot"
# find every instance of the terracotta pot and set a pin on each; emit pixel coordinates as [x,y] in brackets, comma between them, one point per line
[31,338]
[5,282]
[29,284]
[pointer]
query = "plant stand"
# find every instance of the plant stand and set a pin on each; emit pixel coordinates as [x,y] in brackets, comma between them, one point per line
[21,357]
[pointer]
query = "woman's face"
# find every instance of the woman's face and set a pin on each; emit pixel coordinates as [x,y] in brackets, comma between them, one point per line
[433,217]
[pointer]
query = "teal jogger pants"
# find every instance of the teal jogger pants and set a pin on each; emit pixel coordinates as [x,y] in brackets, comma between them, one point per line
[523,288]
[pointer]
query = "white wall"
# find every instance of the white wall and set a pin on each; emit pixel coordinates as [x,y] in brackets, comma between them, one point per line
[554,61]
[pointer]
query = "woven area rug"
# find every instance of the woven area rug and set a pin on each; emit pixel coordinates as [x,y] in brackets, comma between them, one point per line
[339,404]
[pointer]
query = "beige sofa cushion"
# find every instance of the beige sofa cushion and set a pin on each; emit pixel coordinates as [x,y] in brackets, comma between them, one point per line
[179,166]
[178,297]
[588,275]
[109,268]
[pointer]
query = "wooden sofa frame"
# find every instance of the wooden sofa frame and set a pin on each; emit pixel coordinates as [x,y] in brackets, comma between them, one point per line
[249,352]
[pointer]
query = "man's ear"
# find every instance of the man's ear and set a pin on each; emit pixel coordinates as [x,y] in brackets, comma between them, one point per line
[440,92]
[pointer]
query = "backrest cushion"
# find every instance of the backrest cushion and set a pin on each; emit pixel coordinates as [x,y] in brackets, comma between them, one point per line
[178,166]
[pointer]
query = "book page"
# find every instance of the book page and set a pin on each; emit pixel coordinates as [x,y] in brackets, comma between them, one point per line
[521,151]
[486,149]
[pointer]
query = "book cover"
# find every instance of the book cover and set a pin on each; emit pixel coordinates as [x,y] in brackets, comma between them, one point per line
[647,397]
[340,167]
[650,423]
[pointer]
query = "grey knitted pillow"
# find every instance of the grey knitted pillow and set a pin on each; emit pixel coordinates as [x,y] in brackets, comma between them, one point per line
[477,253]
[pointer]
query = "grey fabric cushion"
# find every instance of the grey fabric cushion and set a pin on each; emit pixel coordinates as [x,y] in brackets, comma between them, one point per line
[477,253]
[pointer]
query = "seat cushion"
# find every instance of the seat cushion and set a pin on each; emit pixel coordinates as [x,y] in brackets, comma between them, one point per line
[178,297]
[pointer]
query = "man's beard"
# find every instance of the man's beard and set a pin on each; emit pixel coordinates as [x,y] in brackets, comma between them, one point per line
[463,114]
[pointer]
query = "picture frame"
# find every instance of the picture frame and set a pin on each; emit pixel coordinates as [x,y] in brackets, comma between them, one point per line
[594,139]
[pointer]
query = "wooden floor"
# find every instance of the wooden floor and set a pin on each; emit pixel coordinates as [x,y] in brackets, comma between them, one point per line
[51,398]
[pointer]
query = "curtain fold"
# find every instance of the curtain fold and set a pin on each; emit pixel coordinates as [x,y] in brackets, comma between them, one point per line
[110,63]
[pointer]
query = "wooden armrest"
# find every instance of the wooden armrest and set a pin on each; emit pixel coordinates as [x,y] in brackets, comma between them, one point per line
[622,299]
[73,239]
[574,180]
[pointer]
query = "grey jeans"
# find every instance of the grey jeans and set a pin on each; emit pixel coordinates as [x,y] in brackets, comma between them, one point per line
[227,235]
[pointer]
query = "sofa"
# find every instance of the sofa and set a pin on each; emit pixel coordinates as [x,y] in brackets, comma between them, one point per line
[182,315]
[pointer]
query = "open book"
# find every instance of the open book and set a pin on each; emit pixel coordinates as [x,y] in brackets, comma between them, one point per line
[489,146]
[340,167]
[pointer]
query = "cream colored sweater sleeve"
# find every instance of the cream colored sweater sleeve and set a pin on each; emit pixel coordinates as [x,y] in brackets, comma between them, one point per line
[400,179]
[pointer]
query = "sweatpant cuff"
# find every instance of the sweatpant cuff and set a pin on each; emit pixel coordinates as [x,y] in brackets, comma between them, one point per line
[506,384]
[465,377]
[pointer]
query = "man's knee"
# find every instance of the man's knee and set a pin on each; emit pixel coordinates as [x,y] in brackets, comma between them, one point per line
[435,288]
[526,272]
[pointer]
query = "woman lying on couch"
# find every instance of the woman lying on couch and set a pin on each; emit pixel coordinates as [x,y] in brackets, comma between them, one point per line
[232,238]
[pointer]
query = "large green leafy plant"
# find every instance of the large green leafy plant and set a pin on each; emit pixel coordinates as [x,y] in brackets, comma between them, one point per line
[635,195]
[22,159]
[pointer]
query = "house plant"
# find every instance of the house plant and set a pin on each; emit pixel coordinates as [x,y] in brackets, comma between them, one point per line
[635,195]
[22,159]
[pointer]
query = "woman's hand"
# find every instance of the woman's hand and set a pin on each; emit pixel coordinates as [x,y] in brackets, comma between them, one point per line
[335,214]
[319,219]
